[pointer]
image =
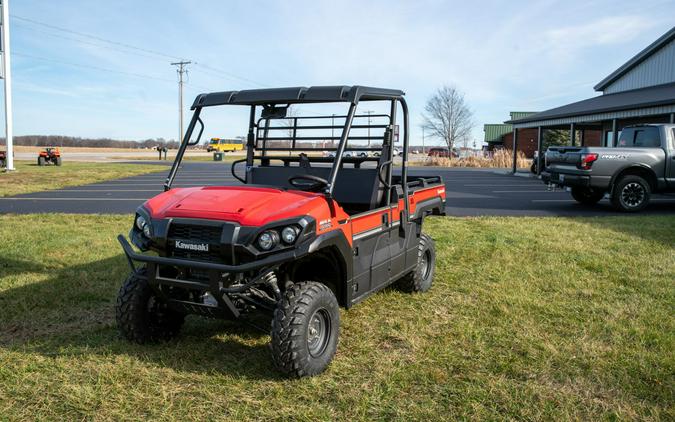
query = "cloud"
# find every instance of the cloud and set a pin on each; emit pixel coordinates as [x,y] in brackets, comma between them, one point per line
[600,32]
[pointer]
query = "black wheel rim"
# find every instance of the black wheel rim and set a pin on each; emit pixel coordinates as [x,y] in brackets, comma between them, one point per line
[426,264]
[318,332]
[633,194]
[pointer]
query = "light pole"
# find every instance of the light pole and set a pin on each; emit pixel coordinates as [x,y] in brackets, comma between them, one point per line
[7,76]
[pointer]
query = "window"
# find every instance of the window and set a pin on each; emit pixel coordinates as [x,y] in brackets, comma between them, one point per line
[640,137]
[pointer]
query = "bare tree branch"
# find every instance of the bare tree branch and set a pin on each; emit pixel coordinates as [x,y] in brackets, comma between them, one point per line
[447,116]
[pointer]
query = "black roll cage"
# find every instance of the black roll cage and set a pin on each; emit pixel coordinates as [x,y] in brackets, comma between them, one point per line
[269,99]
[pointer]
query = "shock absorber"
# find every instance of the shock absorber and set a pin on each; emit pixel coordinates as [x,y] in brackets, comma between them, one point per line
[270,279]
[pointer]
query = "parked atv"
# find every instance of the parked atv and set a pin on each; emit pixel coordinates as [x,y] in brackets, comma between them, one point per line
[49,155]
[3,158]
[302,236]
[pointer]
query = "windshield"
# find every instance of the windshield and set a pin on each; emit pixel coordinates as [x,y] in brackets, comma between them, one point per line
[214,141]
[640,137]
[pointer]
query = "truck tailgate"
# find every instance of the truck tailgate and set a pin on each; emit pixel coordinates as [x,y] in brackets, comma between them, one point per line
[567,157]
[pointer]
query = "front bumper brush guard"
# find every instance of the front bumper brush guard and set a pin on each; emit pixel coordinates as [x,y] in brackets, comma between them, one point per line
[226,308]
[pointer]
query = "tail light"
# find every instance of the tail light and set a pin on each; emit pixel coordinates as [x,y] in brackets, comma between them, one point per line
[587,160]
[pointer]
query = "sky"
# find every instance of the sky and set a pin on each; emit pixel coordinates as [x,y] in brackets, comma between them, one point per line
[504,56]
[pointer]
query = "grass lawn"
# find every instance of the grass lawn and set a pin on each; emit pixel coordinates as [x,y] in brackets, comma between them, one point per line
[528,318]
[29,177]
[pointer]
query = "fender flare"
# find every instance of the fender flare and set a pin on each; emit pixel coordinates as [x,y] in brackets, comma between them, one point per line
[637,166]
[428,205]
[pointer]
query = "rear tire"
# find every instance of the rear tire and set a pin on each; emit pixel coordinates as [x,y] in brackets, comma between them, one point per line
[141,317]
[631,194]
[421,278]
[305,330]
[41,161]
[587,196]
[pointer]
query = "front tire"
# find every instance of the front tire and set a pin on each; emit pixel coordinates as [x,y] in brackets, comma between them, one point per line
[305,330]
[631,194]
[421,278]
[587,196]
[57,161]
[41,161]
[141,316]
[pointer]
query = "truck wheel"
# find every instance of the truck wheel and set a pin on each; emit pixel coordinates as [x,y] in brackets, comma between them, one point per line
[305,329]
[631,194]
[420,279]
[41,161]
[141,316]
[587,196]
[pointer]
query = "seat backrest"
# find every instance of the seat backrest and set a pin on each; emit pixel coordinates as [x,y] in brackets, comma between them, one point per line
[355,188]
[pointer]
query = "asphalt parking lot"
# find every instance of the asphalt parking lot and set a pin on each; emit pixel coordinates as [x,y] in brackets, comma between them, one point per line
[470,192]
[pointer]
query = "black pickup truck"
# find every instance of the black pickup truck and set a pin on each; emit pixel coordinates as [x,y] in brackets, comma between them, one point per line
[642,163]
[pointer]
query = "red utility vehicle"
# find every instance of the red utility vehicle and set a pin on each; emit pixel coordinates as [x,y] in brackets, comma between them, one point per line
[49,155]
[304,234]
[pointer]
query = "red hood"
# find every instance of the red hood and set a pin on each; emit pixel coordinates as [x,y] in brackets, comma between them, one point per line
[248,206]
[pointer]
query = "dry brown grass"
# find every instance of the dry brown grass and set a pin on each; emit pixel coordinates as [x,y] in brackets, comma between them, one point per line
[500,159]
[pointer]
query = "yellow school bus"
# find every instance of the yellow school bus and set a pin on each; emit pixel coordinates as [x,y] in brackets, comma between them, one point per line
[225,145]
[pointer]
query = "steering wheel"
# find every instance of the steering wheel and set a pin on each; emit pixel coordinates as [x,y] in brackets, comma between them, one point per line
[318,182]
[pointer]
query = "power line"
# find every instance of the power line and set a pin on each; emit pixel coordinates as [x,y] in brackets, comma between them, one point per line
[82,34]
[138,75]
[206,68]
[220,72]
[95,44]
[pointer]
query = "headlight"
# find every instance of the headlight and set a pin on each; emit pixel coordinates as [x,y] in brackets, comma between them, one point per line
[141,223]
[289,234]
[268,239]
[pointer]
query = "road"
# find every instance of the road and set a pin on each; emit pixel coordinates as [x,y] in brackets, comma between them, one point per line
[470,192]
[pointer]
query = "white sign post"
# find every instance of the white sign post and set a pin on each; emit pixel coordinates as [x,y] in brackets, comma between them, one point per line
[7,76]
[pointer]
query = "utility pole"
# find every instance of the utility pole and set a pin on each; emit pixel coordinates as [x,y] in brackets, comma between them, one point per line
[369,112]
[7,76]
[422,140]
[182,69]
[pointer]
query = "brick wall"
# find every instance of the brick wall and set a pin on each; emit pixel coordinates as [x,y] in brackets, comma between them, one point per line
[527,141]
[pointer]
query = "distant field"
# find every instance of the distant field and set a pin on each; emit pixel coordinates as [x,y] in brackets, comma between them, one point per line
[29,177]
[517,326]
[19,148]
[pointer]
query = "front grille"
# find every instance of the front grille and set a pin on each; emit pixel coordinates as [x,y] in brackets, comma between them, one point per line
[195,233]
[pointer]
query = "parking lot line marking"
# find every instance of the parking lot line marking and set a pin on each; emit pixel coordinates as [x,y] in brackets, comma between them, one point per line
[522,191]
[553,200]
[503,185]
[72,199]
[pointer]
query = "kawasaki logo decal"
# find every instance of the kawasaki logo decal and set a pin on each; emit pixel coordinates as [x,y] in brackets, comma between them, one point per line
[201,247]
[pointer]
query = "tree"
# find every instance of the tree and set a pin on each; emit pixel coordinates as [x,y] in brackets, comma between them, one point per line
[448,117]
[556,137]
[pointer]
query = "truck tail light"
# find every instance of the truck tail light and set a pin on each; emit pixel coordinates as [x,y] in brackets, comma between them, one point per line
[587,160]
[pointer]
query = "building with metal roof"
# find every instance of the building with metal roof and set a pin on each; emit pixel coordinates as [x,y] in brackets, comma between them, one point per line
[499,135]
[640,91]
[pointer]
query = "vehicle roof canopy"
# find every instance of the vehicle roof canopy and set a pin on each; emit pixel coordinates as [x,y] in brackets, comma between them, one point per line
[294,95]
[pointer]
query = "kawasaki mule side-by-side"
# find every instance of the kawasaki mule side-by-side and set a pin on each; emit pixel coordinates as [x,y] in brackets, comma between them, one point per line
[304,234]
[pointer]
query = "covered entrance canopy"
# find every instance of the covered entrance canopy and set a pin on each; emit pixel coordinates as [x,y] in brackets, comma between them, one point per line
[640,91]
